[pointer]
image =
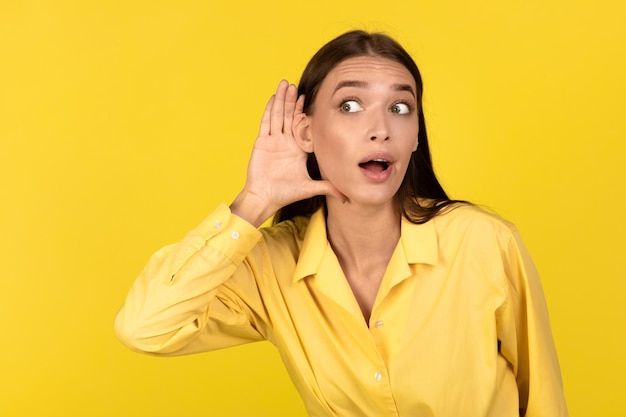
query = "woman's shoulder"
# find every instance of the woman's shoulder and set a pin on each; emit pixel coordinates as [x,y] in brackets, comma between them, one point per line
[471,218]
[288,233]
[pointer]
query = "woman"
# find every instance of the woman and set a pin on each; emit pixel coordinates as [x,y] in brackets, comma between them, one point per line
[383,296]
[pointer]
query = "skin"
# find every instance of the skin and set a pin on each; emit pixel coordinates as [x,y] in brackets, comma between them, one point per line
[365,109]
[277,174]
[372,116]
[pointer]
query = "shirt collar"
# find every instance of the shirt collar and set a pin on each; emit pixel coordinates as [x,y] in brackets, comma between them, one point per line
[313,246]
[419,242]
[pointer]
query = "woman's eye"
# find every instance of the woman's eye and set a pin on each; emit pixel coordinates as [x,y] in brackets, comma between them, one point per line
[350,106]
[400,108]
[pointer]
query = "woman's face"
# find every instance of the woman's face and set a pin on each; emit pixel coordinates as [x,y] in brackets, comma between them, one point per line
[364,128]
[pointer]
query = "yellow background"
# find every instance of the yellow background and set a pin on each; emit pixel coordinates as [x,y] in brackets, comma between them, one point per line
[123,123]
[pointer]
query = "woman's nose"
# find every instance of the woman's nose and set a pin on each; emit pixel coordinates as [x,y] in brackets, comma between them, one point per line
[378,128]
[379,132]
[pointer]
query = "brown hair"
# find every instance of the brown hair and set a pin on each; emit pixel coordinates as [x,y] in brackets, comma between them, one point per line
[420,196]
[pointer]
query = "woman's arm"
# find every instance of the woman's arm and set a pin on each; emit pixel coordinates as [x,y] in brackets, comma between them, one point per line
[526,338]
[179,305]
[201,293]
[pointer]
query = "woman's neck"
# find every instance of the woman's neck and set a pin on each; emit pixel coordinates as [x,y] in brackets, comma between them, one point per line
[362,236]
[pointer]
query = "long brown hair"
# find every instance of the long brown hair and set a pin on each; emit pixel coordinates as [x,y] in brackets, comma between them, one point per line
[420,196]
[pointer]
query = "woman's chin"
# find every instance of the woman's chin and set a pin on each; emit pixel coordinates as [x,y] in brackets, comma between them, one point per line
[367,200]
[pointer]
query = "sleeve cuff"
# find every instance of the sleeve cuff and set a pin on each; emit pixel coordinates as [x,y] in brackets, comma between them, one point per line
[227,233]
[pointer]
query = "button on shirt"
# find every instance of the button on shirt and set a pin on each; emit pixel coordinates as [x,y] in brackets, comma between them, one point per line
[459,326]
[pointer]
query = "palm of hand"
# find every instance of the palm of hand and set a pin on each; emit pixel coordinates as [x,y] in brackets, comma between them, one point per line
[277,173]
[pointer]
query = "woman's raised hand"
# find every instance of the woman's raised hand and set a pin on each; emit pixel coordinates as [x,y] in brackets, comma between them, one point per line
[277,173]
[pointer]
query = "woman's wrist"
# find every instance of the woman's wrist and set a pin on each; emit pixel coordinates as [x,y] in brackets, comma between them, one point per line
[251,208]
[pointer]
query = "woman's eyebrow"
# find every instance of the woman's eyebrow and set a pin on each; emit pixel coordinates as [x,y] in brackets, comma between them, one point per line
[404,87]
[349,83]
[363,84]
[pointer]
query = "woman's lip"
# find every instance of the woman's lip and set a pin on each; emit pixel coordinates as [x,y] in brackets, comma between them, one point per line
[377,176]
[378,156]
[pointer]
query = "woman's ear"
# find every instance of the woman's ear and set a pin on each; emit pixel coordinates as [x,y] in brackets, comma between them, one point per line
[301,131]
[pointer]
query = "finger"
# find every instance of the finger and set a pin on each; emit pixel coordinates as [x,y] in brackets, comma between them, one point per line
[277,116]
[324,187]
[299,105]
[264,130]
[298,111]
[290,106]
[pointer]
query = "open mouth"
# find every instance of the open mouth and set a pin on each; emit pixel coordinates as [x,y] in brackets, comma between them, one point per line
[375,165]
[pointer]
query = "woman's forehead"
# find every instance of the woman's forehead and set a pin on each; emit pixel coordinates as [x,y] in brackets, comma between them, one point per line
[369,69]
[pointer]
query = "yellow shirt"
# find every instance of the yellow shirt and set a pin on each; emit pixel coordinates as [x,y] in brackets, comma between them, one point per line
[459,326]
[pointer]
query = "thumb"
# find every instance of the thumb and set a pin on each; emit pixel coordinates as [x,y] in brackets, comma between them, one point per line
[325,187]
